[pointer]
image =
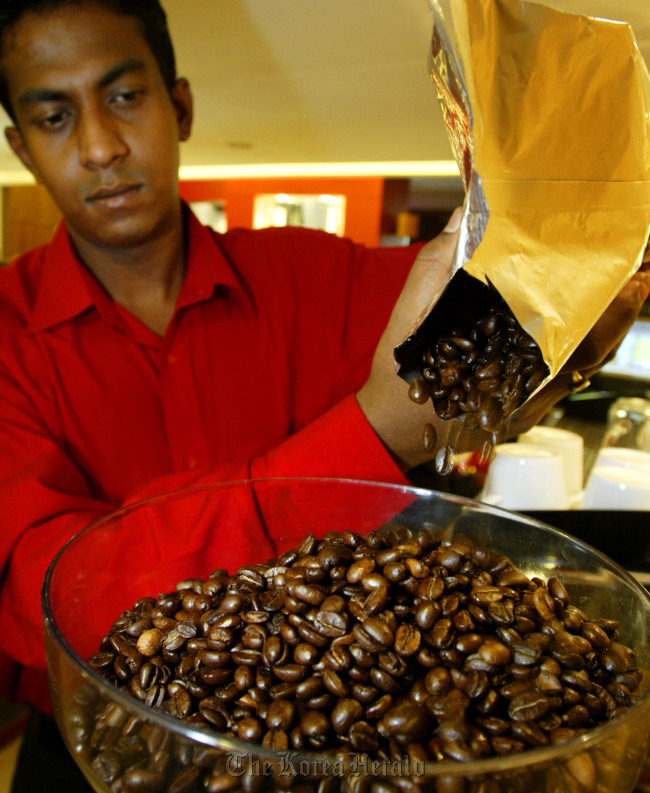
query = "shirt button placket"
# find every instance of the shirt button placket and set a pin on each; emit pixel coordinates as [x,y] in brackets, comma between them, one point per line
[180,407]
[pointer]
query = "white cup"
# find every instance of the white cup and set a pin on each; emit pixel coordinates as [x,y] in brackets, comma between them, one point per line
[621,456]
[571,448]
[526,476]
[617,487]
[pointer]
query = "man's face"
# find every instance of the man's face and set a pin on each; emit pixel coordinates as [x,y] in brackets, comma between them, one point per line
[95,122]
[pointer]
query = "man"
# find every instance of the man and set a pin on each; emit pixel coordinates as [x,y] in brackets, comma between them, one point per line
[140,352]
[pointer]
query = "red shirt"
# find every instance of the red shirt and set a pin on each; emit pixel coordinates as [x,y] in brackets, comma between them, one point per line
[273,332]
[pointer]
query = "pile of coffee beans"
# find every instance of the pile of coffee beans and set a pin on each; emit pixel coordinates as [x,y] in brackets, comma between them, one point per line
[481,369]
[393,644]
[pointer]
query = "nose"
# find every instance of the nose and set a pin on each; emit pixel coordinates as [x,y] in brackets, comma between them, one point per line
[100,143]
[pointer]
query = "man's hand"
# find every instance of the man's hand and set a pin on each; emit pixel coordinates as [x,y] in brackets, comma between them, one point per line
[596,349]
[384,399]
[399,422]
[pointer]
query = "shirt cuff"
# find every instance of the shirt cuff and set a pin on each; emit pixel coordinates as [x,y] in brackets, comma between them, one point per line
[339,444]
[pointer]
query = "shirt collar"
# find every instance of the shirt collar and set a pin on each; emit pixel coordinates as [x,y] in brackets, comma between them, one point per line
[67,289]
[207,266]
[62,292]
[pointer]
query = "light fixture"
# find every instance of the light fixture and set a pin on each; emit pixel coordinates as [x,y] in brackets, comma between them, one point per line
[431,168]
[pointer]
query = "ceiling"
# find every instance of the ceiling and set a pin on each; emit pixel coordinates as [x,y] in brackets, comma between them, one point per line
[281,83]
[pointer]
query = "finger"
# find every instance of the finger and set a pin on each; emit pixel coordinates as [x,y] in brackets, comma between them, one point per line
[429,276]
[604,338]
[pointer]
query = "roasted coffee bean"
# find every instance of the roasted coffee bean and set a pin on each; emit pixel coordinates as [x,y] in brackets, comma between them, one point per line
[247,657]
[427,612]
[101,660]
[334,683]
[310,688]
[391,644]
[405,722]
[393,664]
[530,733]
[280,715]
[107,765]
[373,635]
[290,673]
[528,706]
[338,657]
[438,681]
[444,461]
[443,634]
[375,602]
[384,681]
[495,653]
[419,391]
[345,714]
[315,725]
[407,640]
[306,654]
[429,437]
[486,376]
[142,780]
[306,593]
[616,658]
[274,651]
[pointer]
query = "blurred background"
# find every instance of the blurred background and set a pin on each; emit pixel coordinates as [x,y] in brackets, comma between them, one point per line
[318,113]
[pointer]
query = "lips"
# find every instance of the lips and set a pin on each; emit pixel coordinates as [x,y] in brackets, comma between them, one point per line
[115,191]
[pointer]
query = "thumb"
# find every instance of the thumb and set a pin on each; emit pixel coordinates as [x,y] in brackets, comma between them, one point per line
[428,277]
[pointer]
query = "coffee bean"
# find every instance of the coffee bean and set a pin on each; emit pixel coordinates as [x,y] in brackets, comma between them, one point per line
[495,653]
[391,644]
[528,706]
[419,391]
[405,722]
[334,683]
[142,780]
[364,737]
[444,461]
[280,715]
[373,634]
[346,713]
[407,640]
[482,373]
[616,658]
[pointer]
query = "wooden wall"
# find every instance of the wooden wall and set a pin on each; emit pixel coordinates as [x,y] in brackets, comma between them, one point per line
[29,218]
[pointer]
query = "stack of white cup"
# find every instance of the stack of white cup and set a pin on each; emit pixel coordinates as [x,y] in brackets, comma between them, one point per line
[571,448]
[543,470]
[619,479]
[526,476]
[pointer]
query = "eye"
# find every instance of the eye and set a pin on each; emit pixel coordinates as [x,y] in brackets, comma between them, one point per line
[127,96]
[53,120]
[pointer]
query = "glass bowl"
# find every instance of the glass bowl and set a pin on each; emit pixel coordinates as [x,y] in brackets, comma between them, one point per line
[123,744]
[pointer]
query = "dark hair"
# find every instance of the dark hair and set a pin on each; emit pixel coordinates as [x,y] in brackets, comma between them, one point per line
[149,15]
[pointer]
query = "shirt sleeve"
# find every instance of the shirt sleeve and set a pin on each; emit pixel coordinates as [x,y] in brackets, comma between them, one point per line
[45,498]
[44,501]
[47,502]
[339,444]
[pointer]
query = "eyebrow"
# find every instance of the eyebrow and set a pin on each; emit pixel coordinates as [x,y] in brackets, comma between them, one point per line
[34,95]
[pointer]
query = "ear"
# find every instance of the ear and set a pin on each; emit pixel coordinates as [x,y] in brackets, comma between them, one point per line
[183,103]
[15,141]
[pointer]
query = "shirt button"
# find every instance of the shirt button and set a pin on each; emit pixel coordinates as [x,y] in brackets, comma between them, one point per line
[171,359]
[191,462]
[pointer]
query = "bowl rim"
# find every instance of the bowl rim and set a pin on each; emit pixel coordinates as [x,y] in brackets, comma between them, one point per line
[531,756]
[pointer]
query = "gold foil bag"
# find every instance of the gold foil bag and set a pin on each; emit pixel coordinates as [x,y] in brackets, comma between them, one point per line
[548,115]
